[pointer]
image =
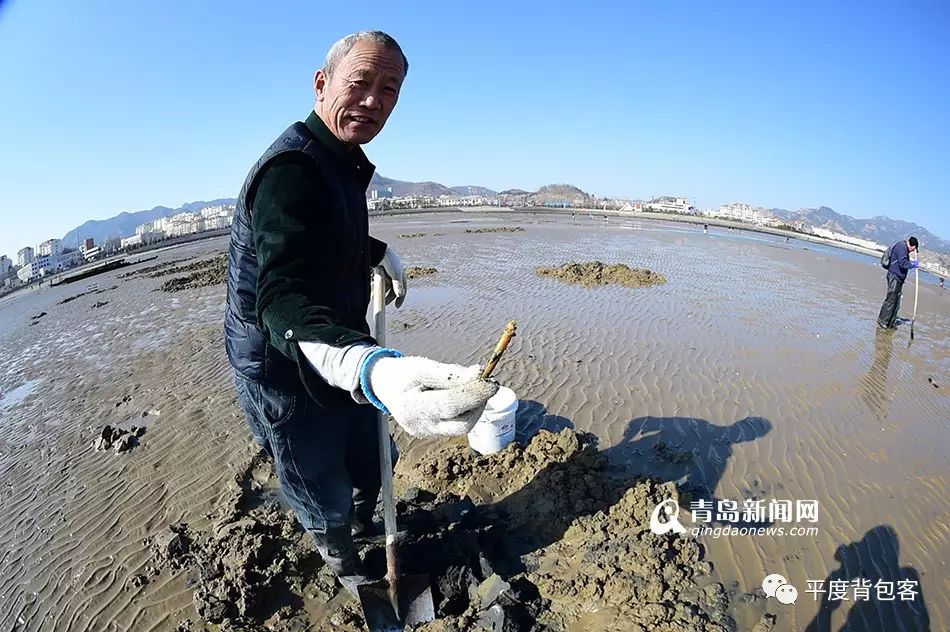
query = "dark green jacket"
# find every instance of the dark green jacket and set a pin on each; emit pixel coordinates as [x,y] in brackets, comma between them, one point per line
[301,257]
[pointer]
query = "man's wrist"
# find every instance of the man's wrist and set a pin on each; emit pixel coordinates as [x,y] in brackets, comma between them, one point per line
[366,367]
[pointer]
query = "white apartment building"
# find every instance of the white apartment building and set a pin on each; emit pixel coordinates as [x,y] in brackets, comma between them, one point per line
[219,210]
[217,222]
[25,273]
[209,218]
[24,256]
[50,247]
[128,242]
[179,224]
[741,213]
[40,267]
[668,204]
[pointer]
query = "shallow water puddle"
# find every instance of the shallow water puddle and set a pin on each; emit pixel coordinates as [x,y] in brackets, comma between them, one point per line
[20,393]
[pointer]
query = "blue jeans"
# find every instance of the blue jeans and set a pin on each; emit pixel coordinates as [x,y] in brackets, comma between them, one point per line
[326,460]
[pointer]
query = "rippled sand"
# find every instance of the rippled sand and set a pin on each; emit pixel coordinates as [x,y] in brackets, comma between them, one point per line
[756,371]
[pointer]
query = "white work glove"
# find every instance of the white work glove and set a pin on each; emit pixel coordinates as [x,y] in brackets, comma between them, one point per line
[396,283]
[428,398]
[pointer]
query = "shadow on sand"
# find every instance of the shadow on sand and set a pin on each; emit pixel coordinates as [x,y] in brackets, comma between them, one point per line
[874,563]
[499,537]
[693,453]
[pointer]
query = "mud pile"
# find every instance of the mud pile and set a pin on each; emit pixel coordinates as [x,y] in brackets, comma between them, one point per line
[595,273]
[118,439]
[415,272]
[570,538]
[503,229]
[249,564]
[200,274]
[536,537]
[157,270]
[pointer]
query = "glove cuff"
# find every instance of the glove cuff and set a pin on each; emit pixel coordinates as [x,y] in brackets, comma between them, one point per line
[376,354]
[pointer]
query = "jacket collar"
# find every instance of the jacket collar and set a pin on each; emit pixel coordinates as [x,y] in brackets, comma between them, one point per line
[353,156]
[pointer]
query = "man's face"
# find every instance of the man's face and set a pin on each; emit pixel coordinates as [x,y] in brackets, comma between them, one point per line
[911,247]
[358,99]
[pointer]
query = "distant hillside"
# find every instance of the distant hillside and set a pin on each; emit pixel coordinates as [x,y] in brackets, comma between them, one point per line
[124,224]
[387,187]
[548,194]
[473,190]
[881,229]
[560,194]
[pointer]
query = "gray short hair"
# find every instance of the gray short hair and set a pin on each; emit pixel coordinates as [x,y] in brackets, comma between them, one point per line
[343,46]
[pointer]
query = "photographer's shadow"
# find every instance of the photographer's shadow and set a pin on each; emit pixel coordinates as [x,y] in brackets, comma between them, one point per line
[873,560]
[693,454]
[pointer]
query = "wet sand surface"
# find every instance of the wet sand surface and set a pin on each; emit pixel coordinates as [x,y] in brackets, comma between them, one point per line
[755,372]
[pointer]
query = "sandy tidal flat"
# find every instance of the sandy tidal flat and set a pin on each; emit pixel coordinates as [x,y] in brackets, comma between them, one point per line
[755,372]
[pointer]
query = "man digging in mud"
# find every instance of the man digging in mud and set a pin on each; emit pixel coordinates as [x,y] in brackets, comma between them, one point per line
[298,290]
[900,264]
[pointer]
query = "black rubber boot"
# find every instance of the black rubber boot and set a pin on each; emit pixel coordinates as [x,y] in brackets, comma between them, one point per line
[338,552]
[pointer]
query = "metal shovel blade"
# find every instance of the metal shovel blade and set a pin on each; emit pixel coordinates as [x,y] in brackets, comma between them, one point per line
[413,597]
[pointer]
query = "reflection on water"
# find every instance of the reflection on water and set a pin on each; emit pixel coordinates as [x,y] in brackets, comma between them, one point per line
[874,382]
[17,395]
[438,295]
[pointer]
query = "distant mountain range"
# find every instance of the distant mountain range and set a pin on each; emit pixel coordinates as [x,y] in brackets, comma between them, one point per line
[400,188]
[124,224]
[883,230]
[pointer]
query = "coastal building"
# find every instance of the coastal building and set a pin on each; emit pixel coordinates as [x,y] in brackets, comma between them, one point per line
[90,250]
[631,207]
[91,254]
[739,212]
[25,273]
[129,242]
[44,265]
[24,256]
[218,222]
[148,233]
[50,247]
[5,266]
[217,217]
[668,204]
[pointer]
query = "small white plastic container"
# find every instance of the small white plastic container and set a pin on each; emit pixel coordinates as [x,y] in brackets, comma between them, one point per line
[496,427]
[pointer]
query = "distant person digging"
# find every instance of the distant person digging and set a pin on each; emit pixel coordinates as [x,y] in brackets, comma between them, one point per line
[595,274]
[898,263]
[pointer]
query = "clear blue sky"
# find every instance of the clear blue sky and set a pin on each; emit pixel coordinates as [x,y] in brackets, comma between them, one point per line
[112,106]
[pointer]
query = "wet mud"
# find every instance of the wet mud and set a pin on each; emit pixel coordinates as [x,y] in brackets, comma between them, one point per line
[502,229]
[417,272]
[542,536]
[595,274]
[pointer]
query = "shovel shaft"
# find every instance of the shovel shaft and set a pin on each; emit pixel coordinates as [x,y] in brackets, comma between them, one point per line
[916,287]
[385,453]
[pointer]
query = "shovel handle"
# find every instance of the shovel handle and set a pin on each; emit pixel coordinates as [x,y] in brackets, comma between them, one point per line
[506,337]
[385,455]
